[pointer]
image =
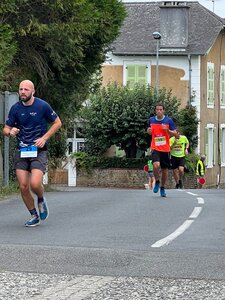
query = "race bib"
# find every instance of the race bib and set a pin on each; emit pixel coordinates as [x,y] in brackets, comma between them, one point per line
[30,151]
[178,150]
[160,140]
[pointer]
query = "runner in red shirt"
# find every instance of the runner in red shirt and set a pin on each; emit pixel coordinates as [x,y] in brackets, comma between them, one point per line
[161,127]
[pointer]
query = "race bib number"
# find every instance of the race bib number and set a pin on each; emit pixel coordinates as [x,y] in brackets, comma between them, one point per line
[30,151]
[178,150]
[160,141]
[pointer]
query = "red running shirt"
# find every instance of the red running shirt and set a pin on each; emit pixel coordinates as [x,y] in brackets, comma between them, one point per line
[160,137]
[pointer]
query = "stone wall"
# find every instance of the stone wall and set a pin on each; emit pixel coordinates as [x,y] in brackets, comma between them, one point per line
[121,178]
[125,178]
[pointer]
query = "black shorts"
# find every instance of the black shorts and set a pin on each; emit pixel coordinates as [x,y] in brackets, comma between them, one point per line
[150,174]
[177,162]
[162,157]
[29,163]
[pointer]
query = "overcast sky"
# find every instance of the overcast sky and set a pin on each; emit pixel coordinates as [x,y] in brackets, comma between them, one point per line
[218,5]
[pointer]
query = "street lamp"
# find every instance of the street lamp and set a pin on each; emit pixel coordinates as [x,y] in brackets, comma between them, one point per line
[157,36]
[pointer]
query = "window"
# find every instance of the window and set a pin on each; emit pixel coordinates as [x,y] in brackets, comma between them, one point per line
[210,85]
[74,141]
[222,144]
[136,74]
[210,145]
[222,87]
[80,145]
[75,145]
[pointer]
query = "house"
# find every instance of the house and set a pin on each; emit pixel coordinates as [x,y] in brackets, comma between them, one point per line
[189,58]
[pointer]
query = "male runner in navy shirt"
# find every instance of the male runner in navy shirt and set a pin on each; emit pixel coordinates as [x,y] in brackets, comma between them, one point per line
[28,121]
[161,127]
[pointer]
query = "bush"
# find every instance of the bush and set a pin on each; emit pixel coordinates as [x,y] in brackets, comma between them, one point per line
[85,161]
[191,161]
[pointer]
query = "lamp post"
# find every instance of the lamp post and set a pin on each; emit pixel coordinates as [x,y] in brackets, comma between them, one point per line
[157,36]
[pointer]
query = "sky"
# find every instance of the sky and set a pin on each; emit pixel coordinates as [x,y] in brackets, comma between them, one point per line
[217,5]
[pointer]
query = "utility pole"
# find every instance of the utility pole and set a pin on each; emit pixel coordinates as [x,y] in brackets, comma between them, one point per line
[157,36]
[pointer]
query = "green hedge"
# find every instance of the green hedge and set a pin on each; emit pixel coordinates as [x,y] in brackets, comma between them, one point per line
[85,161]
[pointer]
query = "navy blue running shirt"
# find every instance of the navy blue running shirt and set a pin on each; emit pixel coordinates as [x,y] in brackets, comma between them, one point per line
[32,120]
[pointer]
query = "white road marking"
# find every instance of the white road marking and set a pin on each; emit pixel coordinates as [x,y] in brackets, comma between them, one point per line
[192,194]
[200,200]
[195,212]
[172,236]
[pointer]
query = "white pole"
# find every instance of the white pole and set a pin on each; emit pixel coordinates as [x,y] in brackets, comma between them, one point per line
[72,174]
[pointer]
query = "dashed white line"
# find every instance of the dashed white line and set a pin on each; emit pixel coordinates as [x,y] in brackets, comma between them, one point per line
[195,213]
[190,193]
[200,200]
[172,236]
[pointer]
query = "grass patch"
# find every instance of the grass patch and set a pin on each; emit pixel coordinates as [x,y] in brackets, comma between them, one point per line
[13,188]
[6,190]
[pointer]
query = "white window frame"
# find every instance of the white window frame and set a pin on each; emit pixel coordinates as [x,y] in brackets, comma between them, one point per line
[210,149]
[222,86]
[210,67]
[75,142]
[136,62]
[222,144]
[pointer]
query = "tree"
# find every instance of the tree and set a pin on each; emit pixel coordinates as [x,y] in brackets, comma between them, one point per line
[57,44]
[8,45]
[118,116]
[187,123]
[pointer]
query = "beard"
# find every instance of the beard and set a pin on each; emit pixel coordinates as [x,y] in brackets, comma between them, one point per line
[26,98]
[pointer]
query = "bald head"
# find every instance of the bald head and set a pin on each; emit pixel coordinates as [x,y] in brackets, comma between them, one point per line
[27,83]
[26,91]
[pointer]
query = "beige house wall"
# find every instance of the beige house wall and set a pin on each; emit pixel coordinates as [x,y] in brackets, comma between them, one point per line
[215,115]
[170,78]
[112,74]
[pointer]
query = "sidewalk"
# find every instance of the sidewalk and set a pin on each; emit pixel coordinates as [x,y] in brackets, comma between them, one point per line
[24,286]
[66,188]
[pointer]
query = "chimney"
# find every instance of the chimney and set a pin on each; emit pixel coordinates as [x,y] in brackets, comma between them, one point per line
[174,24]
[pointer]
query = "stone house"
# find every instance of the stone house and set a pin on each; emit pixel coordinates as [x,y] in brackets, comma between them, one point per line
[189,59]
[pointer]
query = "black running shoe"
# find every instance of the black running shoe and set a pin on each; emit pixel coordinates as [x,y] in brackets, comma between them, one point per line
[180,184]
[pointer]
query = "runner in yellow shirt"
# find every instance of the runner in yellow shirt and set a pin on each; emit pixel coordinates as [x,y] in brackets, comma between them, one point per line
[178,149]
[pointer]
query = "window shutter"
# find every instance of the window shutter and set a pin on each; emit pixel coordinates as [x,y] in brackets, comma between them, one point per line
[131,78]
[206,145]
[214,147]
[142,74]
[210,85]
[136,74]
[222,149]
[222,86]
[221,146]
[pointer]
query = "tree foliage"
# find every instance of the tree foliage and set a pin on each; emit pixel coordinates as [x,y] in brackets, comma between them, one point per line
[57,44]
[7,49]
[119,116]
[187,123]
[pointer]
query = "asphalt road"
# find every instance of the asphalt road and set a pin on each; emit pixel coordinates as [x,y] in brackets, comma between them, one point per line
[115,244]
